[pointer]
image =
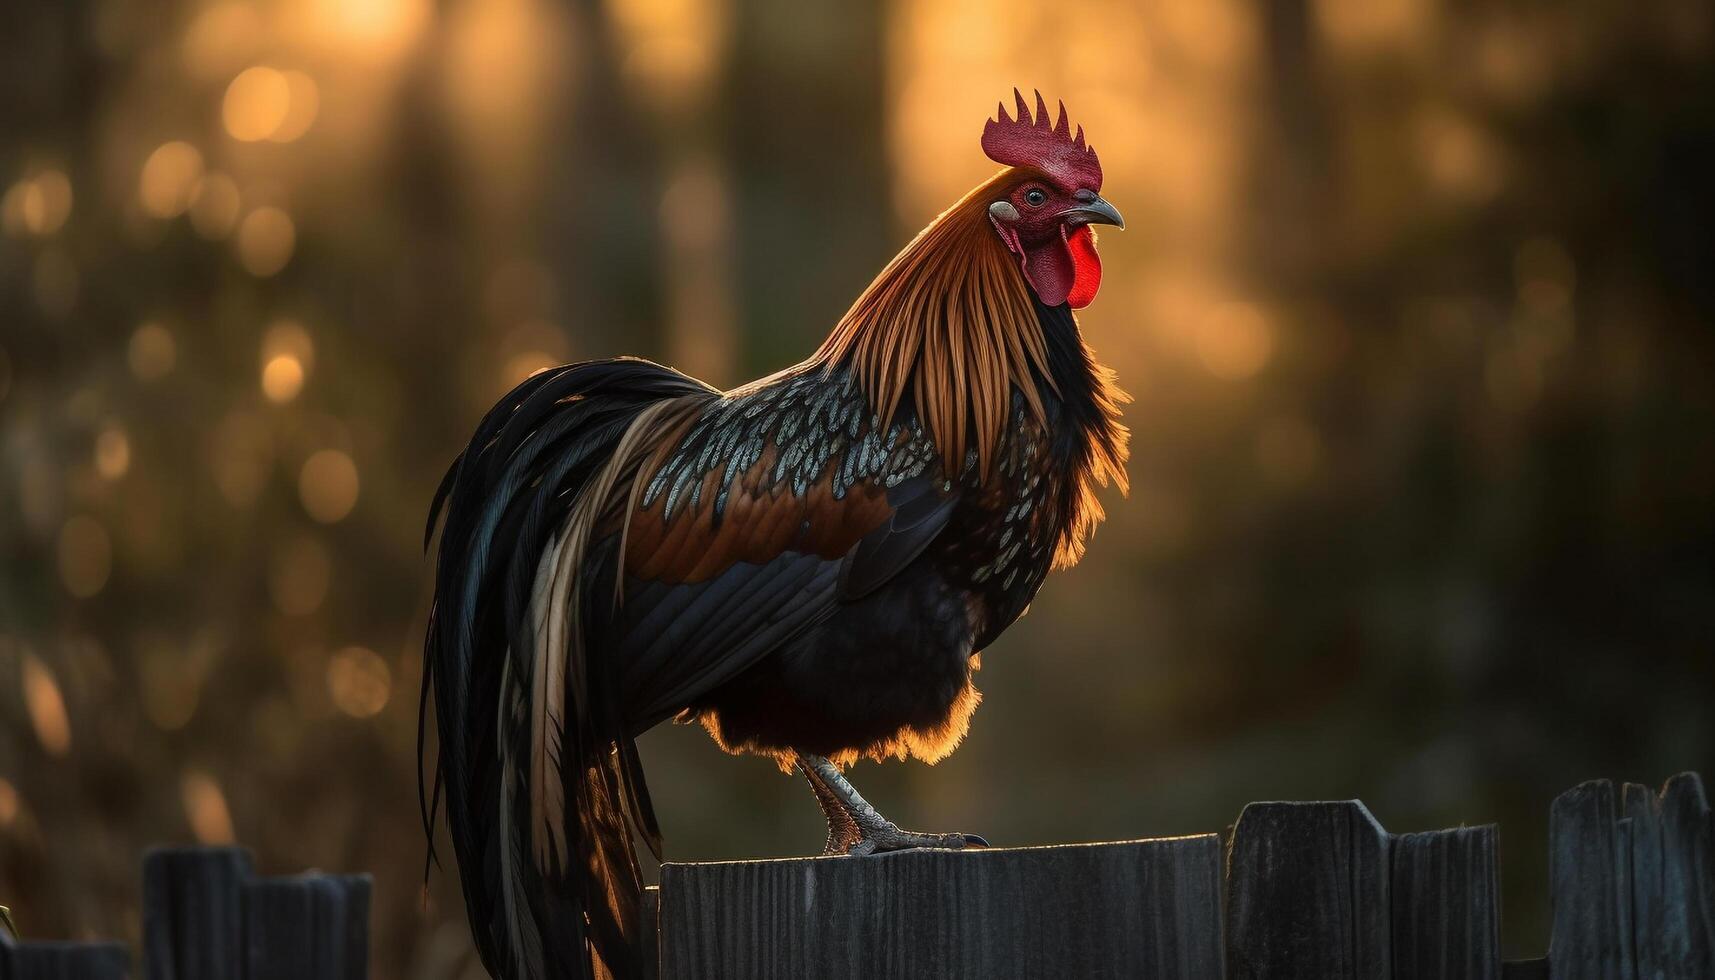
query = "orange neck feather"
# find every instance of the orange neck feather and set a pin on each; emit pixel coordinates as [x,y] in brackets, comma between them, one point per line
[951,322]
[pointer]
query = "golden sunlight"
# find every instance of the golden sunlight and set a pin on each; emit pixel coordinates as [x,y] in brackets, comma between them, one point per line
[265,241]
[38,205]
[359,682]
[282,378]
[328,486]
[215,203]
[301,107]
[46,707]
[287,337]
[10,805]
[205,808]
[168,178]
[151,352]
[1234,341]
[112,451]
[256,103]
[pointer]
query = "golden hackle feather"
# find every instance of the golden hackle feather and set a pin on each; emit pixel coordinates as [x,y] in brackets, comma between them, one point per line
[950,323]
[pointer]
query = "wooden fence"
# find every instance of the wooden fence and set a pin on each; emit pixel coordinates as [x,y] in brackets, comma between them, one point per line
[208,916]
[1317,891]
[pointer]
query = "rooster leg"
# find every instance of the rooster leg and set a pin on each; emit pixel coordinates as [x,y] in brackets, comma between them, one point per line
[855,827]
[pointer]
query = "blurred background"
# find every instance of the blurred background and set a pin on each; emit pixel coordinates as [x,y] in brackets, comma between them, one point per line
[1416,303]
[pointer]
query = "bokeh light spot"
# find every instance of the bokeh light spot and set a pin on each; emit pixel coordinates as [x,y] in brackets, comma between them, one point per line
[53,191]
[38,205]
[359,682]
[112,451]
[205,808]
[14,209]
[289,338]
[172,679]
[265,241]
[86,556]
[301,107]
[168,179]
[524,364]
[328,486]
[46,707]
[256,103]
[282,378]
[9,804]
[152,352]
[222,37]
[215,203]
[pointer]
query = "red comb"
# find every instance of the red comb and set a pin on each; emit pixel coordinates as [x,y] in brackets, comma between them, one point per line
[1024,142]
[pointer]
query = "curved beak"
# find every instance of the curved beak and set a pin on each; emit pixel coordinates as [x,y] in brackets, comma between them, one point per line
[1092,210]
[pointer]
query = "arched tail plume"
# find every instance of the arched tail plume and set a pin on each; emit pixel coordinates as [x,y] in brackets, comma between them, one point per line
[537,766]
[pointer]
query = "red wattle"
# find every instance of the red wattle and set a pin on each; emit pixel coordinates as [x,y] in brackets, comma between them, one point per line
[1087,266]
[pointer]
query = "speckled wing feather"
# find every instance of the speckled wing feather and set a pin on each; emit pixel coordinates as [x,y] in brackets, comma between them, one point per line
[775,504]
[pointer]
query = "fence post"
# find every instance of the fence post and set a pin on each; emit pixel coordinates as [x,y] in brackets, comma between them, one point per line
[310,925]
[1446,906]
[64,961]
[191,913]
[1307,894]
[1141,909]
[1673,884]
[1590,886]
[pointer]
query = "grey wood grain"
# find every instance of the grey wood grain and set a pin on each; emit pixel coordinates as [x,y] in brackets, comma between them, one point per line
[1308,893]
[1673,887]
[1136,910]
[651,932]
[1590,886]
[311,925]
[1446,906]
[65,961]
[191,917]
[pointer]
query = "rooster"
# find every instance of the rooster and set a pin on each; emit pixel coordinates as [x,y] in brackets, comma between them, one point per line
[807,565]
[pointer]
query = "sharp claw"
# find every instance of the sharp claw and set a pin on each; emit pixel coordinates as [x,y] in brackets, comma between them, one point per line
[972,840]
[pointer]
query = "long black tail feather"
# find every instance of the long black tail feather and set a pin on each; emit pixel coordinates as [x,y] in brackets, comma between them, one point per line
[500,506]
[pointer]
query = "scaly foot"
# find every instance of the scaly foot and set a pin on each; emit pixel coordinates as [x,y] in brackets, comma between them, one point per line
[887,837]
[855,827]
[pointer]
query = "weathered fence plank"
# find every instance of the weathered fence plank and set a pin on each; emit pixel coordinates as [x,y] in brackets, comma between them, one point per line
[192,913]
[312,925]
[1307,893]
[65,961]
[1309,890]
[1143,909]
[1673,887]
[1446,906]
[651,932]
[1590,886]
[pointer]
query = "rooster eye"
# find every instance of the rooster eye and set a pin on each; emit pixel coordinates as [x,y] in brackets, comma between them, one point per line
[1034,197]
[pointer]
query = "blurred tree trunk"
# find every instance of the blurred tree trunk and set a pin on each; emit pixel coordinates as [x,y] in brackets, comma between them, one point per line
[1292,190]
[805,100]
[598,227]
